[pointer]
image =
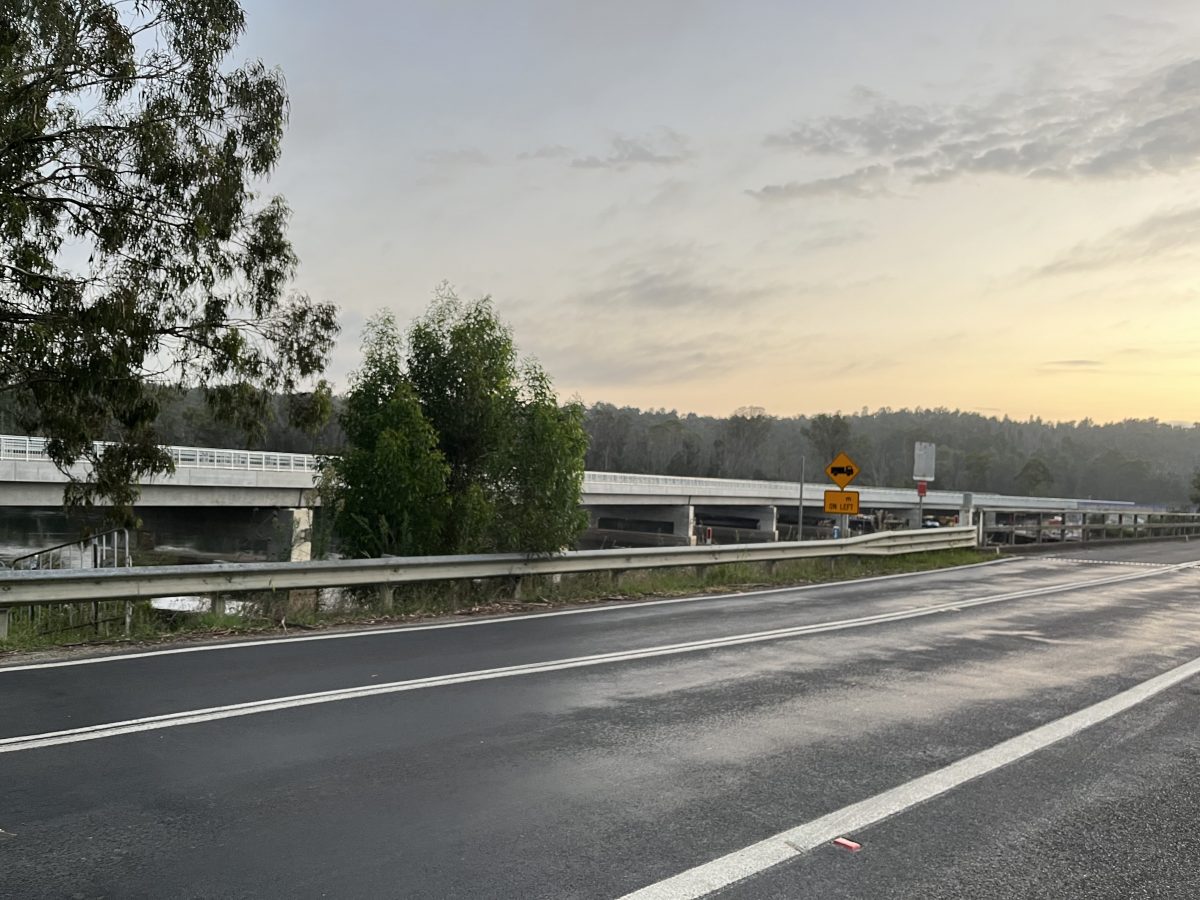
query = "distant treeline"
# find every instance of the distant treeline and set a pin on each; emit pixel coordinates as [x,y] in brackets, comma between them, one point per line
[1143,460]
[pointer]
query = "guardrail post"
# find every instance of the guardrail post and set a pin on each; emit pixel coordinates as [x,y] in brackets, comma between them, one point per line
[386,598]
[218,605]
[3,624]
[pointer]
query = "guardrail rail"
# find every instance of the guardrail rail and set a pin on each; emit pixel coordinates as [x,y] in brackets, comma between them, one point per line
[27,588]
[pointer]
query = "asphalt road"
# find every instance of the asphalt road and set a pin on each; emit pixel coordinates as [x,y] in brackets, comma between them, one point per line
[504,759]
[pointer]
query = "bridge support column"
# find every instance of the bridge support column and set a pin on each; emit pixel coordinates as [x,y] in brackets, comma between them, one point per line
[301,551]
[966,515]
[683,522]
[302,520]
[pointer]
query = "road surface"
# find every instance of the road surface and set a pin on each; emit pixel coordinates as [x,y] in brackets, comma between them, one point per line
[1026,728]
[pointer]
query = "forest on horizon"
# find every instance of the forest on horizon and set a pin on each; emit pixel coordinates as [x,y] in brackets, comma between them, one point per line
[1141,460]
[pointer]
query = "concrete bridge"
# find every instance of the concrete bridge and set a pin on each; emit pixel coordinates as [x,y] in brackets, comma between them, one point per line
[670,506]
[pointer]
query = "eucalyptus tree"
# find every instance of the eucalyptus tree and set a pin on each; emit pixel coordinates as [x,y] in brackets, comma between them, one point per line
[135,250]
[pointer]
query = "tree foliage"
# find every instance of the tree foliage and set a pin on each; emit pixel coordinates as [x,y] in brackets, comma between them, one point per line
[828,436]
[388,489]
[489,460]
[134,251]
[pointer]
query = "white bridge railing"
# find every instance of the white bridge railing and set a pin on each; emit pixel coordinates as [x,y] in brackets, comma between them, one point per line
[33,449]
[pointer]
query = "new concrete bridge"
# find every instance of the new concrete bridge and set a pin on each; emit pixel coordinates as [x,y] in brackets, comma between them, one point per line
[669,506]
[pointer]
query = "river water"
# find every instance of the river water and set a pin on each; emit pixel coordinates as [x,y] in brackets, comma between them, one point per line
[166,535]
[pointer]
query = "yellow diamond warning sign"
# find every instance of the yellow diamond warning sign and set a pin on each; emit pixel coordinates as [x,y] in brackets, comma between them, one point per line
[841,503]
[842,470]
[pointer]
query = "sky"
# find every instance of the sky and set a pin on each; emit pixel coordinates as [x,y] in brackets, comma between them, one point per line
[802,206]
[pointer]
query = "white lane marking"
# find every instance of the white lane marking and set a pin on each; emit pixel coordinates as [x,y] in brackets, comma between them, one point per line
[1106,562]
[786,845]
[492,620]
[253,707]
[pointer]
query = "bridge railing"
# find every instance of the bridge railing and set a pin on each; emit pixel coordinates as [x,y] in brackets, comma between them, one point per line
[618,483]
[33,449]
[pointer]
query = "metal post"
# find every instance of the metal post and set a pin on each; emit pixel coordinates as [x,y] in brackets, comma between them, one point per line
[800,507]
[3,624]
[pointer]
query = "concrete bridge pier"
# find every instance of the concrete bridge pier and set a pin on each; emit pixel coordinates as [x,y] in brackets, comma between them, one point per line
[302,523]
[301,551]
[678,520]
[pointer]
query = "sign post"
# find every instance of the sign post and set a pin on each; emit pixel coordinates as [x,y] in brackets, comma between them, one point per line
[924,463]
[800,505]
[842,471]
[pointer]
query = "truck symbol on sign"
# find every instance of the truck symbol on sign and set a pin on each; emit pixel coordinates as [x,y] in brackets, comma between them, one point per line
[842,470]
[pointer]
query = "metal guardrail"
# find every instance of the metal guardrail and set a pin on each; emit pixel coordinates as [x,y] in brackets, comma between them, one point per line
[32,588]
[33,449]
[1023,527]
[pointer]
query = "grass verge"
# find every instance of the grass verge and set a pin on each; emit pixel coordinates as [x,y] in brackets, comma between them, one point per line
[72,625]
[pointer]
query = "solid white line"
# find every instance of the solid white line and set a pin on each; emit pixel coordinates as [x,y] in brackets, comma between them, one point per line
[787,845]
[192,717]
[487,620]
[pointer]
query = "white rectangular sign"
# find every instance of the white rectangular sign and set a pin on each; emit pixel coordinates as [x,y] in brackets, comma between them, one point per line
[924,460]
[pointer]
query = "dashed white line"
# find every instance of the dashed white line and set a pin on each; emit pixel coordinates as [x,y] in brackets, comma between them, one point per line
[1108,562]
[192,717]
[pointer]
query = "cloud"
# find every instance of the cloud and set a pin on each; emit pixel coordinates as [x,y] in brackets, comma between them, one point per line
[1163,234]
[668,150]
[834,236]
[1064,366]
[1128,129]
[889,129]
[548,151]
[675,279]
[647,360]
[864,183]
[467,156]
